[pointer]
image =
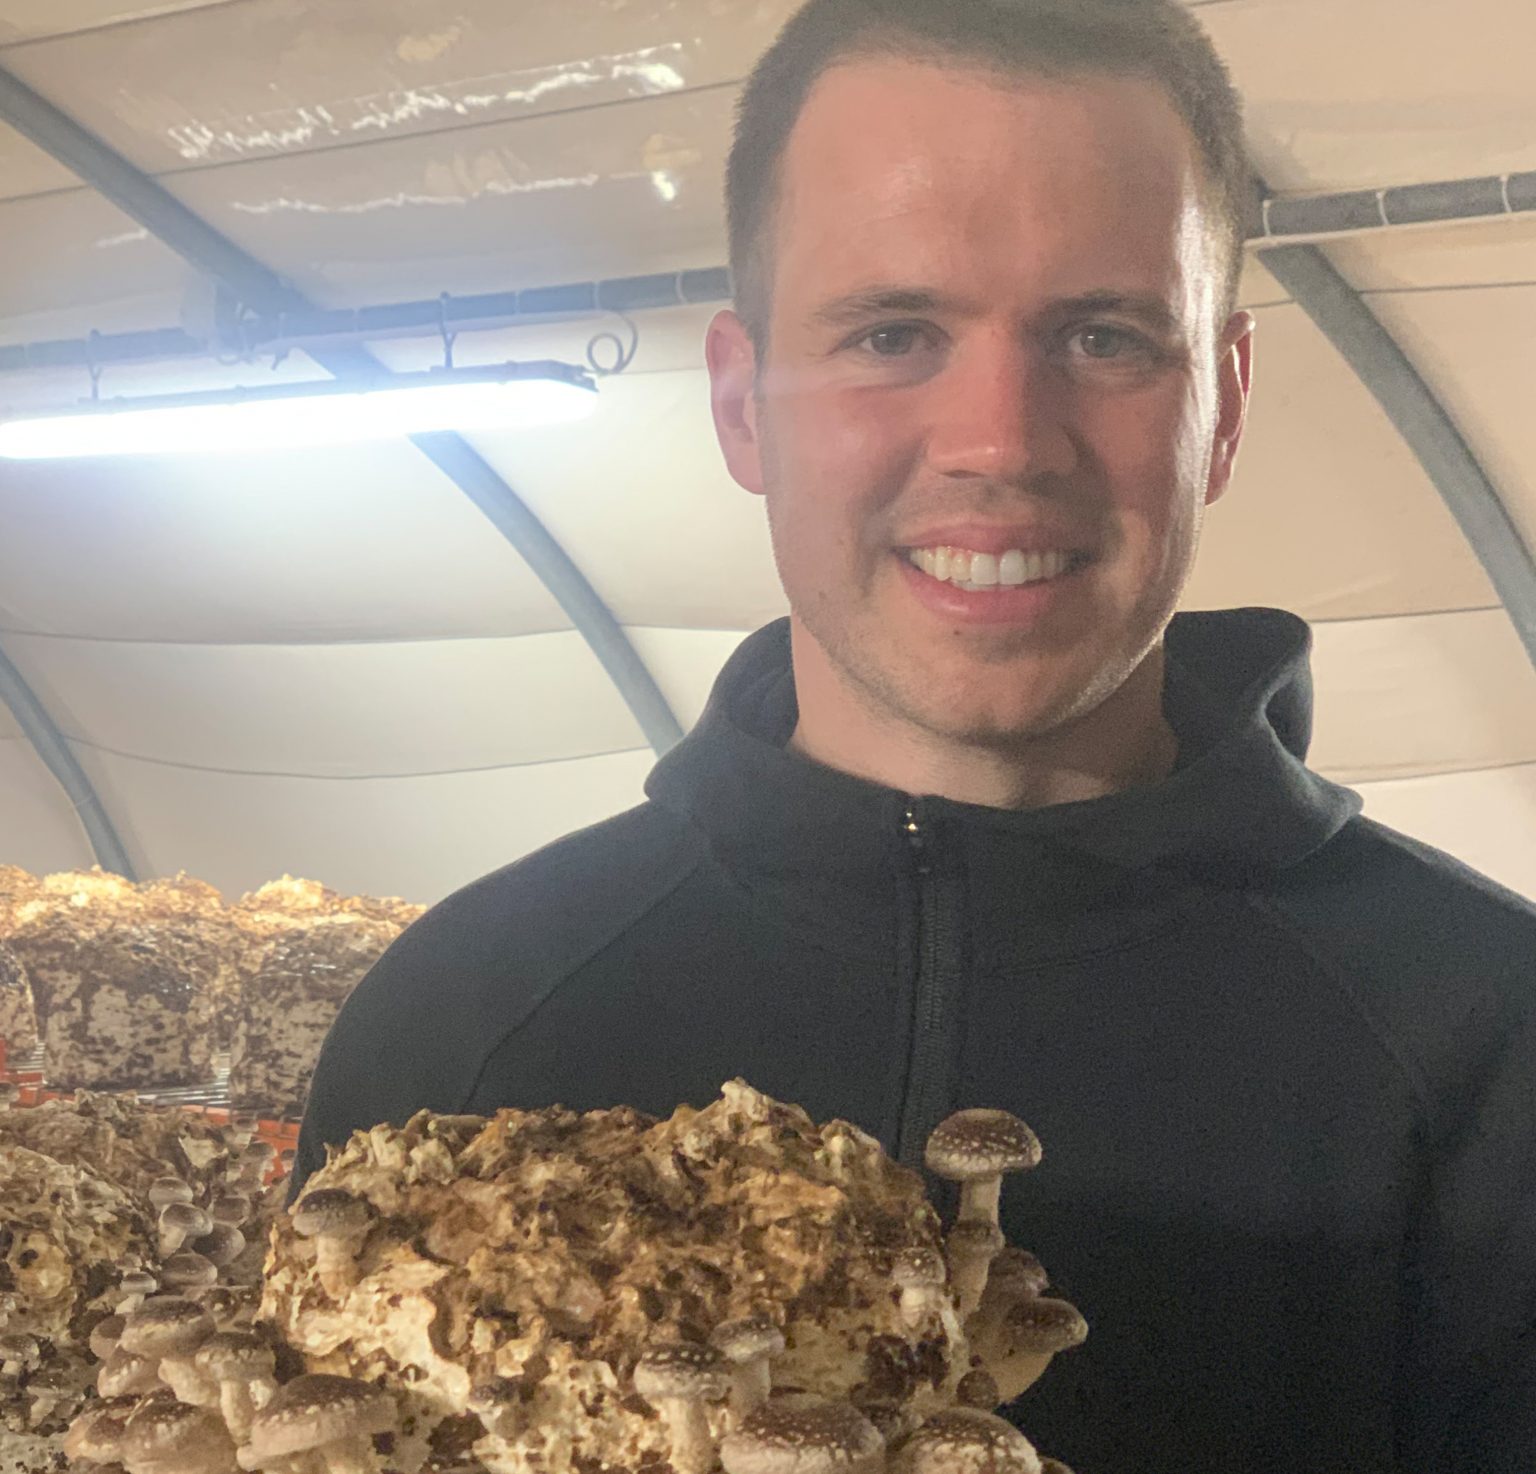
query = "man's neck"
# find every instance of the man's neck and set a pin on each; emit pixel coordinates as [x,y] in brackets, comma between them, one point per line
[1125,742]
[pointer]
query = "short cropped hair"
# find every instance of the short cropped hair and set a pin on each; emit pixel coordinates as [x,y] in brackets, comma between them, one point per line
[1158,41]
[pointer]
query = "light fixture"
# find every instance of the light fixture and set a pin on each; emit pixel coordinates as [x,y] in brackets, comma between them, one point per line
[510,396]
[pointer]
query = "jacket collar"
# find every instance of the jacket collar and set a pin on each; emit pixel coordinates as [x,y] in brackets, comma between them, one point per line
[832,847]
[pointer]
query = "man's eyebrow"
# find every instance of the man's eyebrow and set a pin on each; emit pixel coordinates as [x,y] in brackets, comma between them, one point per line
[1147,308]
[859,307]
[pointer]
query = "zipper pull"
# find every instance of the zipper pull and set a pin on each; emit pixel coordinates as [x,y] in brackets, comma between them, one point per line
[917,836]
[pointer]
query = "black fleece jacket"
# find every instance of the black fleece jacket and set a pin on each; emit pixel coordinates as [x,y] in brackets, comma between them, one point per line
[1283,1060]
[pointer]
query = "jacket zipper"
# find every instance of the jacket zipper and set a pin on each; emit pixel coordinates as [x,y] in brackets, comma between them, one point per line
[927,1062]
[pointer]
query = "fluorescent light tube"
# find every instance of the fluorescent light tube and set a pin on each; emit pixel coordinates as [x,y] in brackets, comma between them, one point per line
[297,417]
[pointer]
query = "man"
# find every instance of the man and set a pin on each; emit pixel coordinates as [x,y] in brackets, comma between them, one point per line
[979,826]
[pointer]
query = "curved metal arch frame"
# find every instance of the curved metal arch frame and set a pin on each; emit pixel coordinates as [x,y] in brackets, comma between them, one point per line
[1424,423]
[165,217]
[50,745]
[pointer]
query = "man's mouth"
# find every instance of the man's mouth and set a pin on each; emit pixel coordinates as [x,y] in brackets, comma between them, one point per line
[987,573]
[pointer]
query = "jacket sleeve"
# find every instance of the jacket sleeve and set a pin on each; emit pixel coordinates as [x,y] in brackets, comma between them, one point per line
[1471,1285]
[410,1036]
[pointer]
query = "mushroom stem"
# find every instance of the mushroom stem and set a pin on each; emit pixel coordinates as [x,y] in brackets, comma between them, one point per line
[1017,1373]
[751,1382]
[919,1304]
[693,1449]
[351,1455]
[981,1197]
[336,1263]
[239,1402]
[190,1385]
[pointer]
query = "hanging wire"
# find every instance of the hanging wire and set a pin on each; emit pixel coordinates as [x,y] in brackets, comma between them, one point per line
[449,339]
[91,366]
[622,356]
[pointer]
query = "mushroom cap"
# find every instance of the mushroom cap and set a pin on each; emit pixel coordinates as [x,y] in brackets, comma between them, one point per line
[165,1326]
[918,1267]
[980,1143]
[235,1356]
[682,1369]
[1041,1324]
[97,1434]
[164,1191]
[1018,1273]
[20,1347]
[187,1217]
[966,1440]
[104,1336]
[978,1388]
[173,1438]
[331,1210]
[1053,1466]
[747,1339]
[127,1374]
[138,1282]
[317,1409]
[189,1270]
[801,1435]
[231,1208]
[974,1237]
[221,1245]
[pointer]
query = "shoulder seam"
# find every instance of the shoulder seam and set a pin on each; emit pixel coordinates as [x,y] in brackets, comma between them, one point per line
[1339,976]
[608,937]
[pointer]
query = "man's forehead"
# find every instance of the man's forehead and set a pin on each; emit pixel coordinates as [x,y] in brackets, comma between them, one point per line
[911,172]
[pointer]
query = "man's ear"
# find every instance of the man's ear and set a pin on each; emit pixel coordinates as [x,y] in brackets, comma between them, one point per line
[1234,380]
[732,364]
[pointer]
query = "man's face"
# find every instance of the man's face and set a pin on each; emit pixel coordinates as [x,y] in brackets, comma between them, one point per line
[996,396]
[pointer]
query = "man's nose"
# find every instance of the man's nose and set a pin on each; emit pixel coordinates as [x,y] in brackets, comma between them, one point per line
[997,411]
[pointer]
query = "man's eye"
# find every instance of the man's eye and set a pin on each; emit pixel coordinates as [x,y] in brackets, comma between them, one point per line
[1105,342]
[895,341]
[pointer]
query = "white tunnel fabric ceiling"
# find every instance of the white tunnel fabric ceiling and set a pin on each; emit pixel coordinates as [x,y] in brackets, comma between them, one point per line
[330,663]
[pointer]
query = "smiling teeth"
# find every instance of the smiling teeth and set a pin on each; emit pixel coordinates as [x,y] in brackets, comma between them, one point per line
[986,572]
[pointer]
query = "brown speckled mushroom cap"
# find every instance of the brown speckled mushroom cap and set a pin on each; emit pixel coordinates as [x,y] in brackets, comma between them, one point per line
[1016,1272]
[165,1326]
[966,1440]
[138,1282]
[980,1143]
[188,1270]
[235,1356]
[331,1210]
[104,1336]
[186,1218]
[97,1434]
[745,1339]
[801,1435]
[221,1245]
[231,1208]
[169,1437]
[1040,1324]
[1053,1466]
[682,1369]
[164,1191]
[18,1346]
[918,1267]
[317,1409]
[125,1374]
[978,1388]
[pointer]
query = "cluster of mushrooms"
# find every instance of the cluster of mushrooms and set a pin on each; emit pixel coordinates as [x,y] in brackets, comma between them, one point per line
[996,1291]
[192,1382]
[180,1332]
